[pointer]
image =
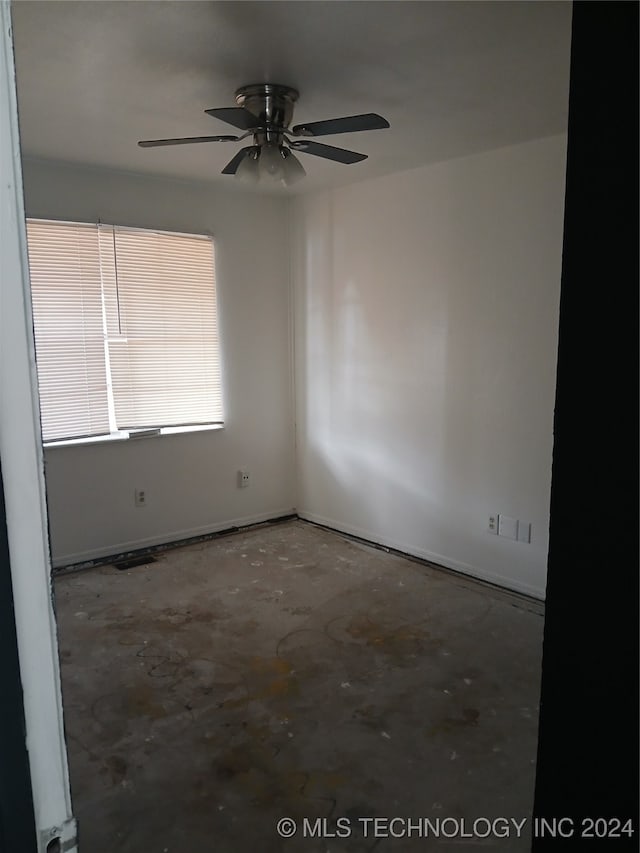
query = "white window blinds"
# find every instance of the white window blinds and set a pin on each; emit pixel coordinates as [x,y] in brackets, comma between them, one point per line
[66,291]
[135,308]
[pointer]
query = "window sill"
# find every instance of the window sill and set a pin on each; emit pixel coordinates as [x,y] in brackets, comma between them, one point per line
[133,435]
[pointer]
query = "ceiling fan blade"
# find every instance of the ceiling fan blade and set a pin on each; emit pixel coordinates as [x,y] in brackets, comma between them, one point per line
[237,116]
[349,124]
[187,140]
[340,155]
[232,166]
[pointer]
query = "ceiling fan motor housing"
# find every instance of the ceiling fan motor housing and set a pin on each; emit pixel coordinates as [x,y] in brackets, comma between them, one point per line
[271,103]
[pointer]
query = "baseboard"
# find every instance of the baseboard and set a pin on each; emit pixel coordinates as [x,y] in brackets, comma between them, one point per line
[438,560]
[122,550]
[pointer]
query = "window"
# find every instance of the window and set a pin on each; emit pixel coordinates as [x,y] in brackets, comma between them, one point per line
[125,329]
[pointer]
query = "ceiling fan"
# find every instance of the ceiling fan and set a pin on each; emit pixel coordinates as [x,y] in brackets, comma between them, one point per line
[264,112]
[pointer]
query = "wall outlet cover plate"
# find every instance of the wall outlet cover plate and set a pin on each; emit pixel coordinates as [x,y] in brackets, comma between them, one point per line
[524,531]
[507,527]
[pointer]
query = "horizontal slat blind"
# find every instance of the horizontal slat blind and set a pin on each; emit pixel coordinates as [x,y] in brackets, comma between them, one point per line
[125,327]
[163,346]
[68,326]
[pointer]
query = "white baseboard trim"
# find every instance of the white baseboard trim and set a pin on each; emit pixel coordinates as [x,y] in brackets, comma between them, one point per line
[430,556]
[118,548]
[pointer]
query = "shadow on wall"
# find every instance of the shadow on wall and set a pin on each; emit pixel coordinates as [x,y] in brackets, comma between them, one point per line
[373,394]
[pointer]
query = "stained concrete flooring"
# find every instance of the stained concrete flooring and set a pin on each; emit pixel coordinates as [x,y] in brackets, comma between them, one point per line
[287,671]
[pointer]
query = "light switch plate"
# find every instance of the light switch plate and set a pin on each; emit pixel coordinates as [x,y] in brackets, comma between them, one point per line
[507,526]
[524,531]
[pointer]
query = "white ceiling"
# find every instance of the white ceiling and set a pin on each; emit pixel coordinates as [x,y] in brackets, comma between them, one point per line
[452,78]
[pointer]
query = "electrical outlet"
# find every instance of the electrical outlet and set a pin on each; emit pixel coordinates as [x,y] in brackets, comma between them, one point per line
[493,524]
[244,478]
[140,497]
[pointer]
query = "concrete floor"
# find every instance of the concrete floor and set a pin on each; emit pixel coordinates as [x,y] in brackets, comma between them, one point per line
[286,671]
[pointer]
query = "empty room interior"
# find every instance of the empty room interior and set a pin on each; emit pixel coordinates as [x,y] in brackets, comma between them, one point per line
[299,514]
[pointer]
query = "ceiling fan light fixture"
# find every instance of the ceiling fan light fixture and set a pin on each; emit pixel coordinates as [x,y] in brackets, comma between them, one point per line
[272,161]
[293,168]
[248,172]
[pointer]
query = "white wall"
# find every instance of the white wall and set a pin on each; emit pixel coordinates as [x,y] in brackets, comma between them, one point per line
[190,479]
[426,332]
